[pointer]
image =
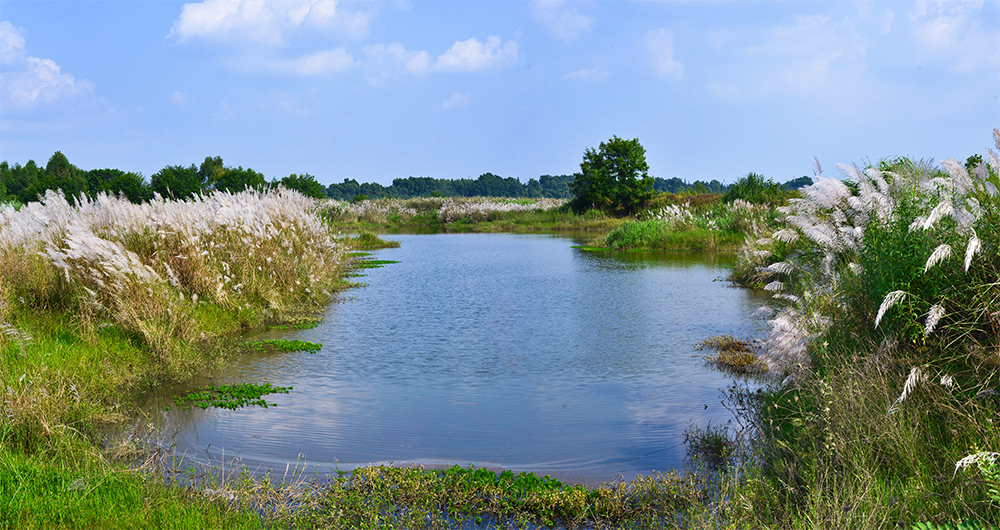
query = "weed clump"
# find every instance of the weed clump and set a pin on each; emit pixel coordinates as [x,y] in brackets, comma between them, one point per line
[230,397]
[732,355]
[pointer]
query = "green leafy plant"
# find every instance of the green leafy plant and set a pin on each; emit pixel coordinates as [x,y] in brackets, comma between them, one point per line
[285,345]
[230,397]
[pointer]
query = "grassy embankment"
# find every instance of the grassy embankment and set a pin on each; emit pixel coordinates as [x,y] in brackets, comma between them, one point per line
[102,302]
[474,214]
[886,333]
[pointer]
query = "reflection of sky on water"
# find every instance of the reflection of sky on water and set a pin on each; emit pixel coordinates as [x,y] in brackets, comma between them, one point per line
[500,350]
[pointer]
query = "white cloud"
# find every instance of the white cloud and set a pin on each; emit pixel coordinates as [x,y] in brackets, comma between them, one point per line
[180,98]
[317,63]
[594,74]
[268,22]
[953,31]
[458,100]
[812,56]
[560,19]
[11,44]
[659,45]
[472,55]
[30,81]
[384,61]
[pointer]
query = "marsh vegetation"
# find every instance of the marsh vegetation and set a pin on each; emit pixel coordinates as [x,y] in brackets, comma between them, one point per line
[880,366]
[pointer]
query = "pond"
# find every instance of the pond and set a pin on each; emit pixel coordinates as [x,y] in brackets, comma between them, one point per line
[497,350]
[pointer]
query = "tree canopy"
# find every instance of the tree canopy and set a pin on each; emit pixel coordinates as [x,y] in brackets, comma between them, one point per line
[614,178]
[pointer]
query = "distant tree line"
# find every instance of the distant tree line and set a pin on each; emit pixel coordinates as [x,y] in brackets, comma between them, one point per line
[487,185]
[26,183]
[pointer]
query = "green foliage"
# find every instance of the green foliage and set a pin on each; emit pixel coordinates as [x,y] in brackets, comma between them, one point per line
[613,178]
[889,286]
[230,397]
[282,345]
[178,182]
[753,188]
[304,183]
[677,186]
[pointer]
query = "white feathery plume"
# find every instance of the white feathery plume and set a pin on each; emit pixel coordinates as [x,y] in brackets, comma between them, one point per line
[850,172]
[940,254]
[781,267]
[958,173]
[942,209]
[933,317]
[827,192]
[856,268]
[947,381]
[890,300]
[775,286]
[916,376]
[970,251]
[818,170]
[917,224]
[786,235]
[982,458]
[963,217]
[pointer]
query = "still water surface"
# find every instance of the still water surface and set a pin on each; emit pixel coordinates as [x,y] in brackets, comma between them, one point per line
[503,351]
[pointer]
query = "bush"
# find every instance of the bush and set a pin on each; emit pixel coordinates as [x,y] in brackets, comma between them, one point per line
[754,189]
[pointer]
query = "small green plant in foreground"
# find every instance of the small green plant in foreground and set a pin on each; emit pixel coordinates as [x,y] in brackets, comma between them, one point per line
[230,397]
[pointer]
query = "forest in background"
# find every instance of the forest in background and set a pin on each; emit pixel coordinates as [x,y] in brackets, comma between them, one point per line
[27,183]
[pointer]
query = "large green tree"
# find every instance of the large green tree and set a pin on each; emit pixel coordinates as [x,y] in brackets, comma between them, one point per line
[178,182]
[614,178]
[305,184]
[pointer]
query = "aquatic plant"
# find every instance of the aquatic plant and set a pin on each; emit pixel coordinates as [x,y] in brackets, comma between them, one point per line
[732,355]
[283,345]
[232,397]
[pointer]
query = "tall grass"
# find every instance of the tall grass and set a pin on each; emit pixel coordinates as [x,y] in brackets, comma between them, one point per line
[442,210]
[885,333]
[709,226]
[98,298]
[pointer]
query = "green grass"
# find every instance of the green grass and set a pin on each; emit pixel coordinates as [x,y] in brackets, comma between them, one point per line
[283,345]
[79,490]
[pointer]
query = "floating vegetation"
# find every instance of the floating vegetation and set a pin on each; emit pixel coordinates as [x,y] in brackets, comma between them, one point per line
[373,263]
[283,345]
[230,397]
[732,355]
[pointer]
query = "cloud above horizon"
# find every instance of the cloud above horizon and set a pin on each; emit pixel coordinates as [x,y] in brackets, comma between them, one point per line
[559,19]
[27,82]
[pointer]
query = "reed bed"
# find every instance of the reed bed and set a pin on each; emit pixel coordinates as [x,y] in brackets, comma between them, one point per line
[884,350]
[102,297]
[442,210]
[707,226]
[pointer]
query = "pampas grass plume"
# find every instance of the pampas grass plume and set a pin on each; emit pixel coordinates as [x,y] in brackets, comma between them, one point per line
[940,254]
[890,300]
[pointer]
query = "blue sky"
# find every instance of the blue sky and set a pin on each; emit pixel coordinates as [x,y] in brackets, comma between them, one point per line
[377,90]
